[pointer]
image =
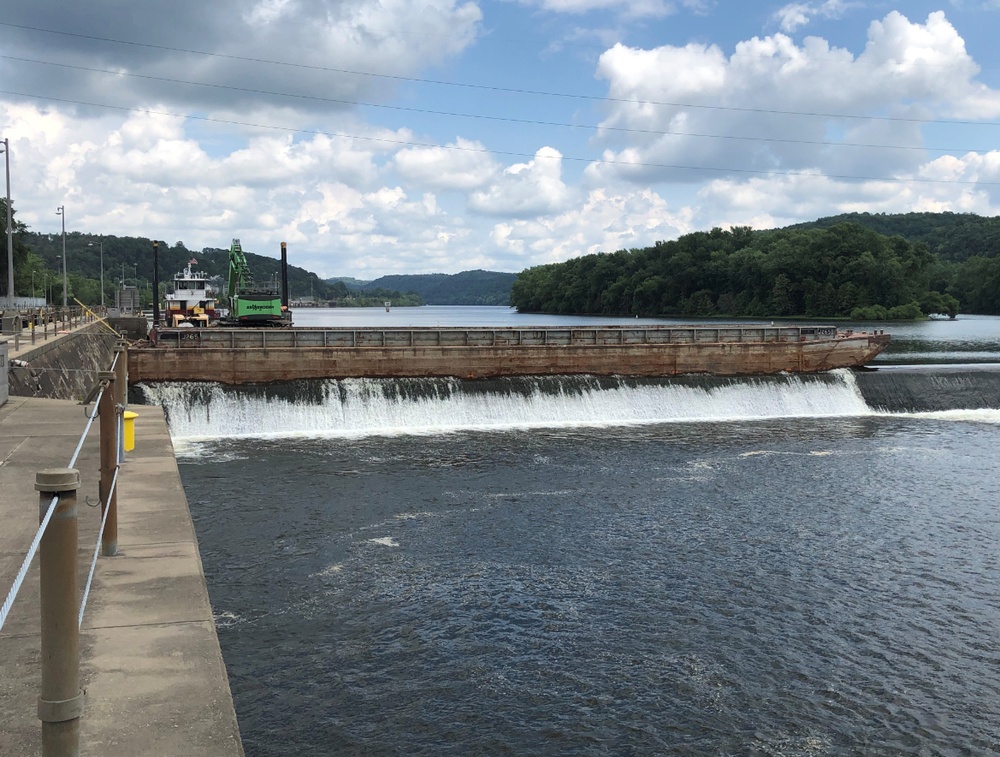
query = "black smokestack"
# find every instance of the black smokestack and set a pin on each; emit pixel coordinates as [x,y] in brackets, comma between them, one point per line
[284,275]
[156,284]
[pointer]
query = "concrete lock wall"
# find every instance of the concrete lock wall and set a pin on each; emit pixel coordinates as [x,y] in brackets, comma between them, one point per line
[64,369]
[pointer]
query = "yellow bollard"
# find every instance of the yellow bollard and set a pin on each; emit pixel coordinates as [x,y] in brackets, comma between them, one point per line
[129,417]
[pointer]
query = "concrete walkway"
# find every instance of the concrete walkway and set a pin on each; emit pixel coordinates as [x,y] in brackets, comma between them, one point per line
[150,659]
[43,337]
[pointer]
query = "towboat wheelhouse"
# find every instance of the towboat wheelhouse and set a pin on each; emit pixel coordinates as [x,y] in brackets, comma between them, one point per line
[192,298]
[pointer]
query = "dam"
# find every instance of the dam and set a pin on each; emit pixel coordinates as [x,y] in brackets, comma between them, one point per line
[374,407]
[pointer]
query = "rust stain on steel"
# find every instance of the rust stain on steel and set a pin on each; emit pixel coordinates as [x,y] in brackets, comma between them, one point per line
[265,363]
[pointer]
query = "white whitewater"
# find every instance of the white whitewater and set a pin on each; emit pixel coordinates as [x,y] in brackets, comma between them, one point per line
[362,407]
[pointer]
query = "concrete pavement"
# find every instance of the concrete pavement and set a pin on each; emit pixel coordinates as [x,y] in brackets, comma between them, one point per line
[150,660]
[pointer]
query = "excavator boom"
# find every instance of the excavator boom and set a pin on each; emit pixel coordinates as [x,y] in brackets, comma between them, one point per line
[250,305]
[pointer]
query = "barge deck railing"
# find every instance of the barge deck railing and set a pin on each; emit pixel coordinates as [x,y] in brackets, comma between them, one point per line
[244,338]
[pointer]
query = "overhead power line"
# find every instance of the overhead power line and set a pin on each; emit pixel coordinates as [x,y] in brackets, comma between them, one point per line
[480,116]
[491,88]
[530,156]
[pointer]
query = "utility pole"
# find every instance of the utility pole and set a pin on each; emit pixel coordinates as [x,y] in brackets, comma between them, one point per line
[10,231]
[61,211]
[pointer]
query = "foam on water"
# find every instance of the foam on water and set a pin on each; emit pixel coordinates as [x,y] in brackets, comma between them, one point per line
[370,407]
[973,415]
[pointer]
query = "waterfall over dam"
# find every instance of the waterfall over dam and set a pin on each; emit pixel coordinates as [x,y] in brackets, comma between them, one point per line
[364,407]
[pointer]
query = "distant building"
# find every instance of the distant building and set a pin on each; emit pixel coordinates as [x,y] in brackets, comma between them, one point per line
[127,300]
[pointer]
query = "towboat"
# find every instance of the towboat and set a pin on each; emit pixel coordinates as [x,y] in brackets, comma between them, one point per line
[192,298]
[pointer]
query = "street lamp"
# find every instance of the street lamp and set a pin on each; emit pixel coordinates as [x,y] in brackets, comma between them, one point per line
[91,244]
[32,285]
[10,230]
[61,211]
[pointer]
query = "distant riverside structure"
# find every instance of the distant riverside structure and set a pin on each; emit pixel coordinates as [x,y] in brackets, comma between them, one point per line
[127,300]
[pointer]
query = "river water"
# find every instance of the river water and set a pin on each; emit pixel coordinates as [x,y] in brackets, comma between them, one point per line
[784,566]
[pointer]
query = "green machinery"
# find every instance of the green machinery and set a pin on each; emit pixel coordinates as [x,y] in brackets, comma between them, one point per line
[251,304]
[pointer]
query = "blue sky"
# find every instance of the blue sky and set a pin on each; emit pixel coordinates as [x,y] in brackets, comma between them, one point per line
[397,137]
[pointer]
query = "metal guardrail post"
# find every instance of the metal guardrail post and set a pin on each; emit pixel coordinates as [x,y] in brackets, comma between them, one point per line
[108,411]
[61,702]
[121,393]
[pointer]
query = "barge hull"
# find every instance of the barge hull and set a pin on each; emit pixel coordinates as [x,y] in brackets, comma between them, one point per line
[258,356]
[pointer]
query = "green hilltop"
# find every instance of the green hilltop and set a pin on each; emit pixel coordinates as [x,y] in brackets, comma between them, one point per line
[862,266]
[466,288]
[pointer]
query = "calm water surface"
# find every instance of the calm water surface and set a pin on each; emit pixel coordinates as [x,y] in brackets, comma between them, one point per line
[774,586]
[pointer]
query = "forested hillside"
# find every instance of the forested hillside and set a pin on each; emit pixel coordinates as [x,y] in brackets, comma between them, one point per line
[129,260]
[466,288]
[845,270]
[967,247]
[954,237]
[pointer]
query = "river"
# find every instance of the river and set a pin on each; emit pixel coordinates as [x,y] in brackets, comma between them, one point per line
[784,566]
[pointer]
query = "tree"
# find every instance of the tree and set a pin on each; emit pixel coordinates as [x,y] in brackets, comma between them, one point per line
[819,272]
[781,296]
[22,270]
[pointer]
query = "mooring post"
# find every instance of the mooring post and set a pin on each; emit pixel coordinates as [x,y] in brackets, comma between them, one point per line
[61,702]
[108,412]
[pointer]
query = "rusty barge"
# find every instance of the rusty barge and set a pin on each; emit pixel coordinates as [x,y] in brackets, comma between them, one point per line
[245,356]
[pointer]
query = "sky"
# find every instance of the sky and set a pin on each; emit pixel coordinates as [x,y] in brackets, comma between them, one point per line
[389,136]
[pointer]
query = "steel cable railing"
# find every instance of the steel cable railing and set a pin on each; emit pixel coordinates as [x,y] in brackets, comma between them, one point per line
[8,603]
[22,572]
[97,549]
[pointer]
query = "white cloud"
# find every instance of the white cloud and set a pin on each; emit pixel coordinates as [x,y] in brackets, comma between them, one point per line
[267,11]
[778,201]
[631,8]
[796,15]
[604,221]
[525,189]
[739,112]
[462,164]
[320,40]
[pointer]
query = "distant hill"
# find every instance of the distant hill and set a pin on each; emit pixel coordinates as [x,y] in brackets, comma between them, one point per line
[954,237]
[467,288]
[349,282]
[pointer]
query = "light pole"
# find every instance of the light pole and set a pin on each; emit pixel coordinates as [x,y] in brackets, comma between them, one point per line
[10,230]
[91,244]
[45,286]
[61,211]
[32,285]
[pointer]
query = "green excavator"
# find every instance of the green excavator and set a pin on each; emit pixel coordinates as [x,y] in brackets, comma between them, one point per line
[251,304]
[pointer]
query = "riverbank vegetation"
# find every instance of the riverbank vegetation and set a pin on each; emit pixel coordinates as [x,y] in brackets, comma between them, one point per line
[844,270]
[466,288]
